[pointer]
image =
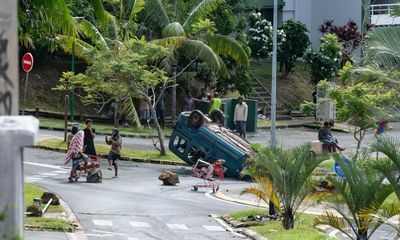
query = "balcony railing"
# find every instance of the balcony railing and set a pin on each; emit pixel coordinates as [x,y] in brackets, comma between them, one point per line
[380,14]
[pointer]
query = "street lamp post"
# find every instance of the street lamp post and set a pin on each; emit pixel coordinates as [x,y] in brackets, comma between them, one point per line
[273,88]
[71,94]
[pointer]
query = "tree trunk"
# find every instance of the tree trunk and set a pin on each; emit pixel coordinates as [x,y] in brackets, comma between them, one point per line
[362,234]
[288,219]
[359,139]
[159,133]
[173,110]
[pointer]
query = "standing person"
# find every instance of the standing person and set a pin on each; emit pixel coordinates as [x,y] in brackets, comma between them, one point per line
[204,96]
[160,107]
[380,128]
[215,103]
[188,102]
[144,111]
[90,134]
[116,147]
[240,117]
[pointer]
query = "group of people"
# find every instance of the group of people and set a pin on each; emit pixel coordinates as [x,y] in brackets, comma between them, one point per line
[80,145]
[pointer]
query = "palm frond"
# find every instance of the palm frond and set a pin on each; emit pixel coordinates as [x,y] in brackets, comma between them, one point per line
[90,31]
[169,60]
[227,46]
[204,8]
[155,15]
[197,49]
[81,49]
[138,6]
[331,220]
[129,109]
[396,10]
[101,14]
[383,46]
[173,29]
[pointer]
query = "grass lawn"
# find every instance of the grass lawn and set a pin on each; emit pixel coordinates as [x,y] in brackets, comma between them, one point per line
[32,191]
[103,127]
[126,152]
[267,123]
[303,230]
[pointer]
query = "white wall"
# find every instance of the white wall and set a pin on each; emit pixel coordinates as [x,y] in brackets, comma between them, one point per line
[314,12]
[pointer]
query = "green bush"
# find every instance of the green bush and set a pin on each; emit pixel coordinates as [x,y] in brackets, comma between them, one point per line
[295,45]
[308,108]
[325,62]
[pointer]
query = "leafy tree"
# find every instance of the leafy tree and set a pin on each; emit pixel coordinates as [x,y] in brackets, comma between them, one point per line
[290,171]
[260,36]
[295,44]
[348,35]
[127,69]
[325,62]
[308,108]
[361,105]
[360,189]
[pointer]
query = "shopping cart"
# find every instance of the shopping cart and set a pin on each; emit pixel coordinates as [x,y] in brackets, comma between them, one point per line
[205,171]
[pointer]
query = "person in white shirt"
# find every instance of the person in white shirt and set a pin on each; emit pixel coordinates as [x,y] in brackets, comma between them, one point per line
[240,117]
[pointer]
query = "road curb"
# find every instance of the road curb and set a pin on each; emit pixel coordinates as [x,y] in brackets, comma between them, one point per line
[105,134]
[332,129]
[224,197]
[245,231]
[282,126]
[79,233]
[142,160]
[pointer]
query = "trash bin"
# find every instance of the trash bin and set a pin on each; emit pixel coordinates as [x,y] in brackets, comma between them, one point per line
[228,107]
[202,106]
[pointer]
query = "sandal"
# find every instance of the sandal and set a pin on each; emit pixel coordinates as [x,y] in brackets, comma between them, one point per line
[70,179]
[109,168]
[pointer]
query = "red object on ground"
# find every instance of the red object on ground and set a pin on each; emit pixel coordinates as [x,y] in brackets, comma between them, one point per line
[27,62]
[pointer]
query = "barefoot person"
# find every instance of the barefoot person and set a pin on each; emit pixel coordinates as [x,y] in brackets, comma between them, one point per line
[116,147]
[325,136]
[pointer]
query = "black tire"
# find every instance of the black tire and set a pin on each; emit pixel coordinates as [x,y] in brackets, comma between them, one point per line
[217,116]
[196,119]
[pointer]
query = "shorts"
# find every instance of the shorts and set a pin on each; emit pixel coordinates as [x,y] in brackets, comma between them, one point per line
[76,161]
[114,157]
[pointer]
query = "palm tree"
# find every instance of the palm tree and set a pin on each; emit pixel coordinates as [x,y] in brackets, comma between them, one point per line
[389,166]
[360,189]
[283,177]
[175,28]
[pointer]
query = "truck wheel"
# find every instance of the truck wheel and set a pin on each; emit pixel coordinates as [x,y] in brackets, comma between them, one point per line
[196,119]
[217,116]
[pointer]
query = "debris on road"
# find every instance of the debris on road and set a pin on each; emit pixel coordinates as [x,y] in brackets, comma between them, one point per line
[169,178]
[47,196]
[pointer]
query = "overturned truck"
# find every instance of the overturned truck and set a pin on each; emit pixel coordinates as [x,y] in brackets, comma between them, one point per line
[195,137]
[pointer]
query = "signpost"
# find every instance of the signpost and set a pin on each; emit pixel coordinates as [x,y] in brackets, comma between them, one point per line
[27,65]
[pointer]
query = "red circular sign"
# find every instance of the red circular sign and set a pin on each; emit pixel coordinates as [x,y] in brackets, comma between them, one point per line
[27,62]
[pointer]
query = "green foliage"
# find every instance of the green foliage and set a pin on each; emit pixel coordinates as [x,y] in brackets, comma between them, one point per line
[360,189]
[283,176]
[295,44]
[325,62]
[260,36]
[308,108]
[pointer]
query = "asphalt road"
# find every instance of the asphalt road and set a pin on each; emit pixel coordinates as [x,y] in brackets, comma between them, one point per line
[135,205]
[289,137]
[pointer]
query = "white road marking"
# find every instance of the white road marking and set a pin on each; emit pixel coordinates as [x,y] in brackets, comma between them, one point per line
[106,232]
[333,233]
[100,235]
[40,176]
[49,174]
[102,222]
[140,224]
[177,226]
[214,228]
[129,238]
[61,171]
[45,165]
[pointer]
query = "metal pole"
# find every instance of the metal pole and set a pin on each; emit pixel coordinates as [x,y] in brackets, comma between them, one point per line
[173,112]
[71,94]
[25,92]
[273,88]
[273,85]
[66,118]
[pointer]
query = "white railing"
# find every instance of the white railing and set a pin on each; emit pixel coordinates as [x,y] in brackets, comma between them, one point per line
[380,14]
